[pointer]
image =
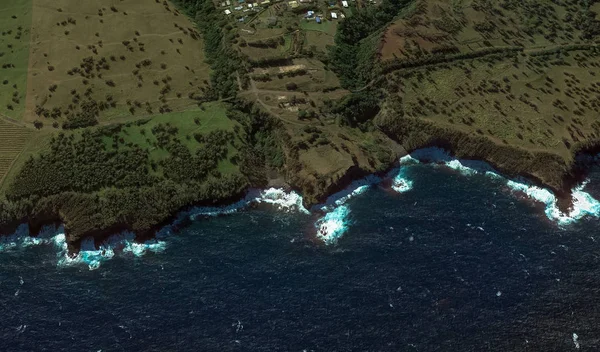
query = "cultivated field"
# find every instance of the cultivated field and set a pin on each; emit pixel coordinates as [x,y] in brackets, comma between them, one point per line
[13,139]
[15,21]
[112,59]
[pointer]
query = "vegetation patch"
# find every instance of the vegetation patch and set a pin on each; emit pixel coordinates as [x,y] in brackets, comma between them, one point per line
[15,23]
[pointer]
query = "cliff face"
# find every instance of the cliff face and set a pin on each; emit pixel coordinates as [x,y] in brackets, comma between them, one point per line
[542,168]
[83,216]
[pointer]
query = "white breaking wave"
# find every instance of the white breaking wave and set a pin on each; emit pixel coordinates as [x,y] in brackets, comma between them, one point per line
[281,200]
[335,222]
[583,203]
[355,188]
[333,225]
[401,183]
[277,197]
[93,256]
[21,238]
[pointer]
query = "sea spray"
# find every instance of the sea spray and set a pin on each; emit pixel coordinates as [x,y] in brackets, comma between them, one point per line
[124,243]
[583,203]
[335,222]
[280,199]
[400,182]
[352,190]
[93,256]
[333,225]
[21,238]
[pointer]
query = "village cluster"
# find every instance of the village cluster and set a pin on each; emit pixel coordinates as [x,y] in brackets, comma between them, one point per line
[244,6]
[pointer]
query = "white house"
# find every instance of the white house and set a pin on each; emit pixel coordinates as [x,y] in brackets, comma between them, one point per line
[227,12]
[334,15]
[345,3]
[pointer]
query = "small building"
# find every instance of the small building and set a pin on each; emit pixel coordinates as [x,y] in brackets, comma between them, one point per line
[238,8]
[223,4]
[345,3]
[228,3]
[309,14]
[318,19]
[250,6]
[265,2]
[272,21]
[227,12]
[293,4]
[342,15]
[334,15]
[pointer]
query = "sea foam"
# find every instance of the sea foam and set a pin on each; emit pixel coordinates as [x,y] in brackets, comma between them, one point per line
[93,256]
[333,225]
[335,222]
[124,243]
[583,203]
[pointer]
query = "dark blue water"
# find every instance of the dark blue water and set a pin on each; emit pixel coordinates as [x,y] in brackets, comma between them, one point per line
[455,264]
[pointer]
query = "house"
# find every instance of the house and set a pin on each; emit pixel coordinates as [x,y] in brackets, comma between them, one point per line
[309,14]
[227,12]
[334,15]
[342,15]
[318,19]
[250,6]
[238,8]
[293,4]
[223,4]
[228,3]
[345,3]
[265,2]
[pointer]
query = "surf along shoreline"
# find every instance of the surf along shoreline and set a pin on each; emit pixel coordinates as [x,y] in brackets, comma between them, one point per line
[335,191]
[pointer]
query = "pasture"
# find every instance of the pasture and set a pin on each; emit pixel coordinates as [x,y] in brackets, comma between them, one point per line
[112,60]
[15,23]
[538,101]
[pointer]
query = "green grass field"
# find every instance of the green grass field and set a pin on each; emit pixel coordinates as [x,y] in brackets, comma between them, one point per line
[328,27]
[15,23]
[188,123]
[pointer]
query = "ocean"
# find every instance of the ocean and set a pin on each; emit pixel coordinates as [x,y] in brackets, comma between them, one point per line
[448,257]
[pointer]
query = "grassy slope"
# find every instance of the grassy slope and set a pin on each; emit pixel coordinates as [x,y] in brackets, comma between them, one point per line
[17,55]
[66,32]
[63,45]
[540,104]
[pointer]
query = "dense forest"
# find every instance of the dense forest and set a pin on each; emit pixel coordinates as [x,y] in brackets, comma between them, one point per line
[353,56]
[96,179]
[225,62]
